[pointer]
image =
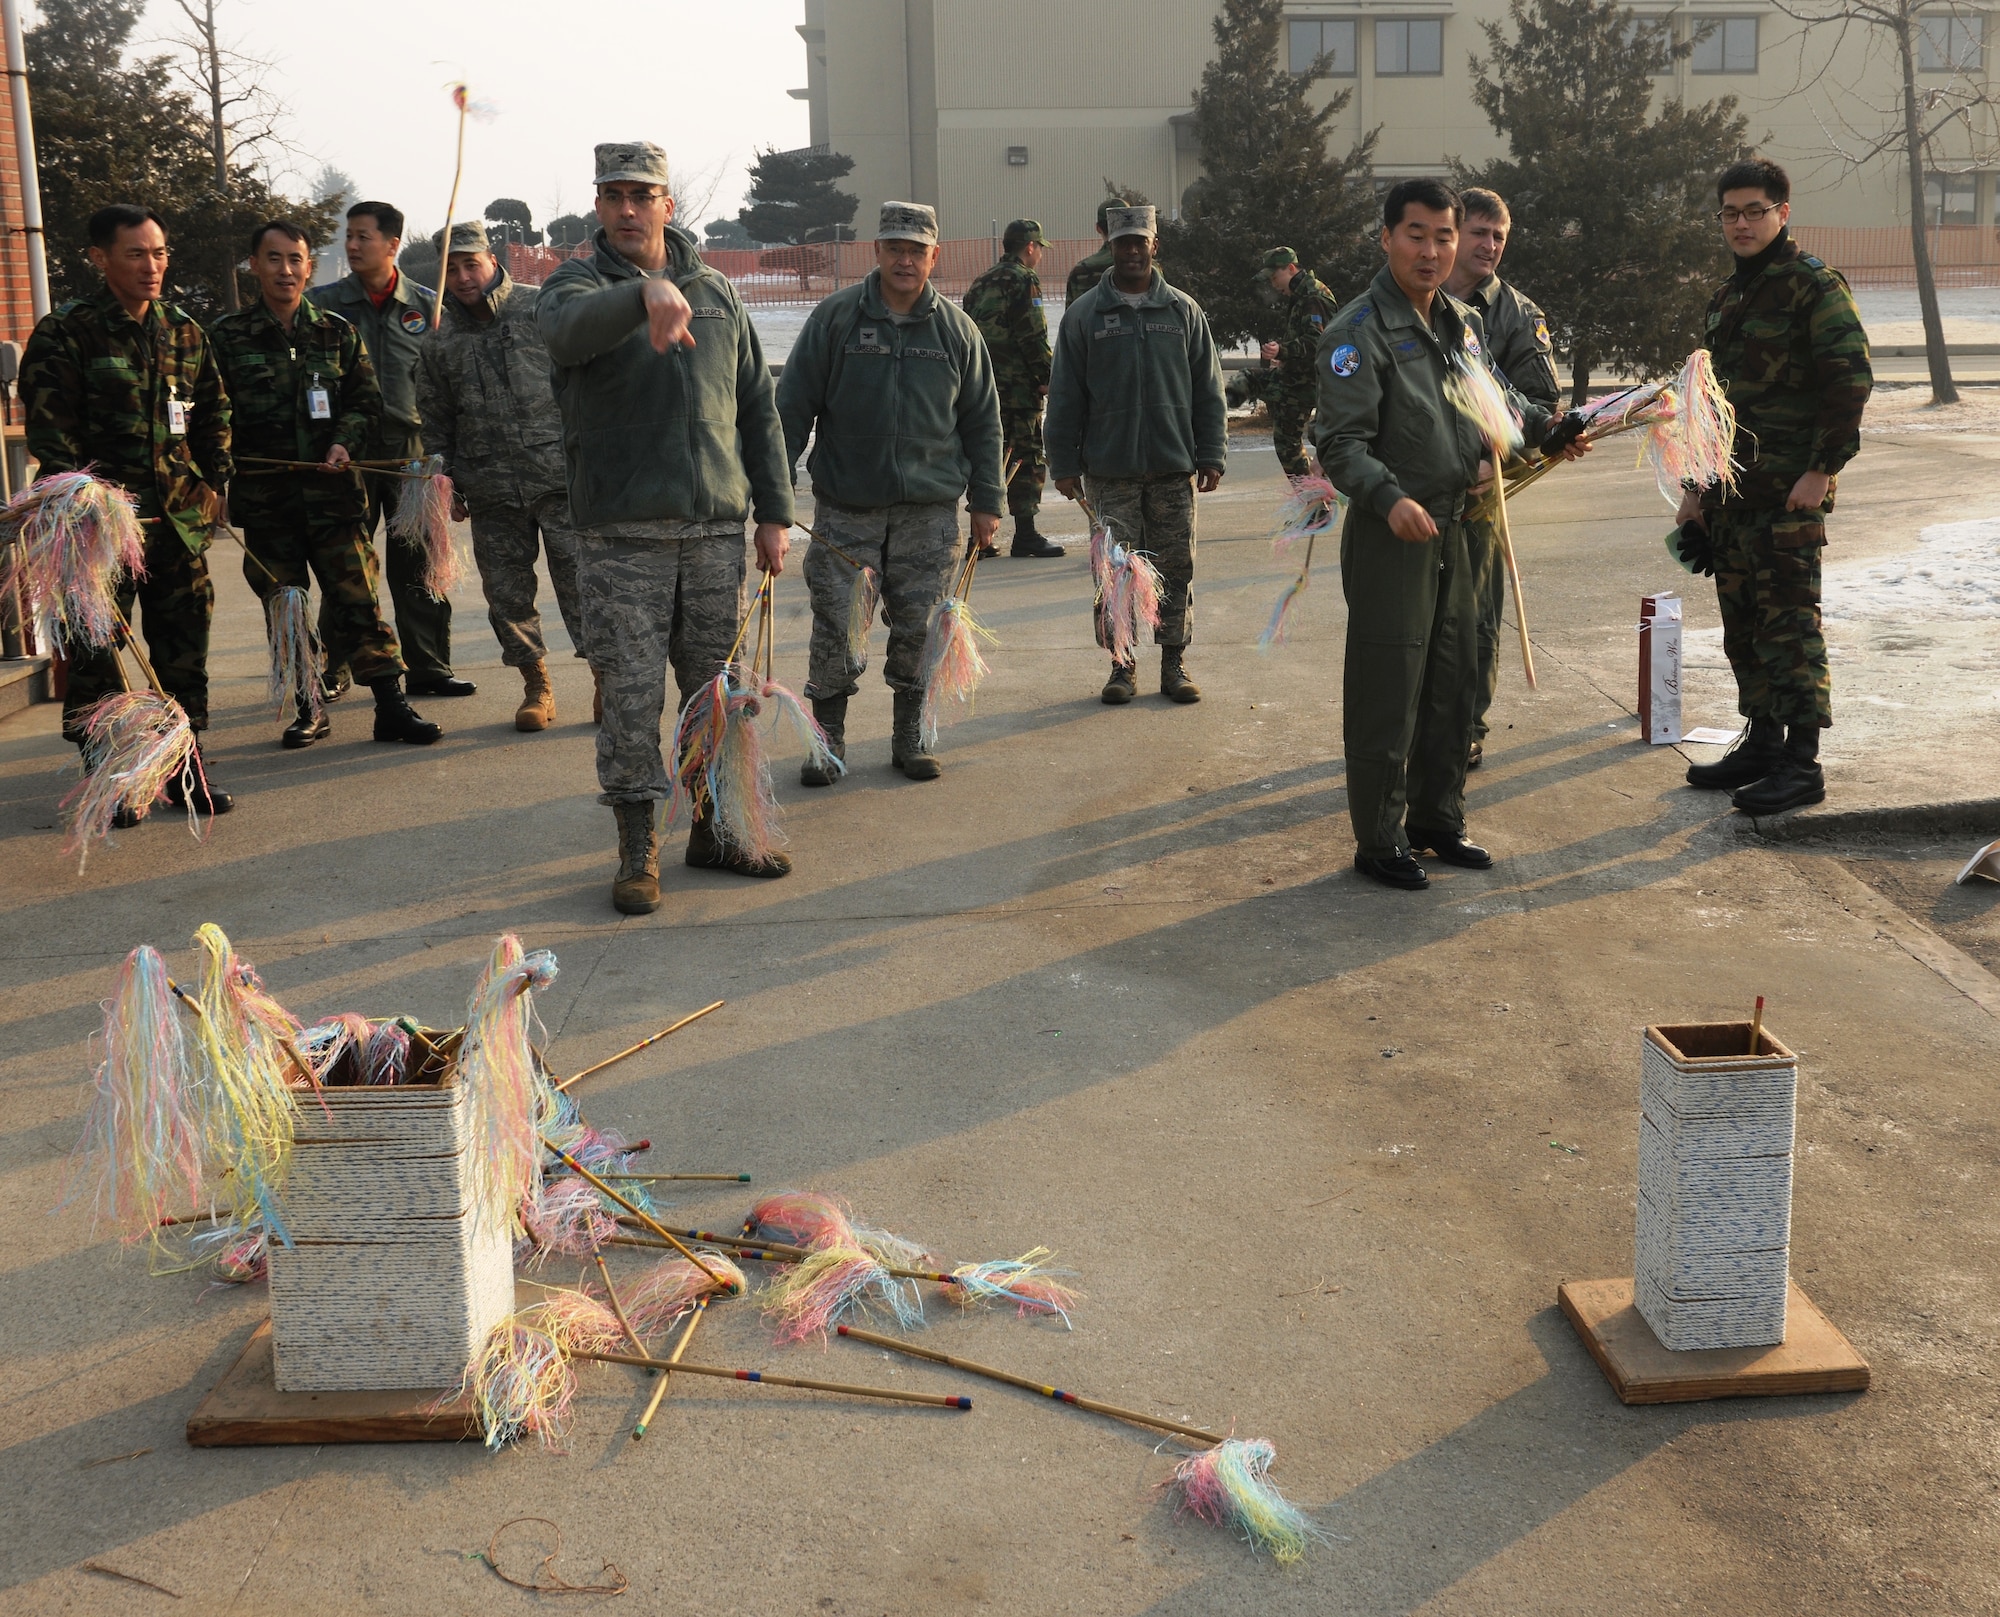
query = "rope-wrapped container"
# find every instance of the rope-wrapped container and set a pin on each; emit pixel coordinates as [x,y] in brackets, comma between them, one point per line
[394,1279]
[1715,1185]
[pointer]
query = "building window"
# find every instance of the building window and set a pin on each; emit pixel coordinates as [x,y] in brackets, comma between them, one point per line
[1949,44]
[1017,157]
[1657,32]
[1725,45]
[1310,38]
[1952,199]
[1406,45]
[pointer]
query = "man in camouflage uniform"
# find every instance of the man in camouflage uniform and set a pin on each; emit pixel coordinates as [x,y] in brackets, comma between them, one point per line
[1518,347]
[303,390]
[1136,404]
[670,441]
[1788,347]
[125,386]
[1006,304]
[1290,395]
[394,314]
[1088,271]
[488,411]
[894,387]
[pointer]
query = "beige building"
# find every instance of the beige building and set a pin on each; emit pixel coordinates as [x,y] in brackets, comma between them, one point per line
[992,111]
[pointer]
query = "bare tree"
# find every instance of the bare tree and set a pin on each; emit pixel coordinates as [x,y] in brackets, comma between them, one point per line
[1931,129]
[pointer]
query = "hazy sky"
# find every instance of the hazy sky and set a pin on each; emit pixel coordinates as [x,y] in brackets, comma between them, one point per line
[705,81]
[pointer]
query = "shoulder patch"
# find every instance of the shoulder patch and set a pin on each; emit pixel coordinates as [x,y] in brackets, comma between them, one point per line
[1471,341]
[1811,262]
[413,321]
[1541,332]
[69,306]
[1344,360]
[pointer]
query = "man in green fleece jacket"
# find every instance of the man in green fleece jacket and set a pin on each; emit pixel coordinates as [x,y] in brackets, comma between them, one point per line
[670,440]
[1136,405]
[895,387]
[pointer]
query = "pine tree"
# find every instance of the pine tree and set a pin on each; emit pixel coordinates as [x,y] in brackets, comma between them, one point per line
[792,197]
[1267,179]
[1613,234]
[510,219]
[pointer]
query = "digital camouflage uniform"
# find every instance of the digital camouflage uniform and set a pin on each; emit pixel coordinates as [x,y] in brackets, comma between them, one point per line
[394,336]
[1788,347]
[298,526]
[1006,304]
[1518,348]
[489,411]
[1292,392]
[98,386]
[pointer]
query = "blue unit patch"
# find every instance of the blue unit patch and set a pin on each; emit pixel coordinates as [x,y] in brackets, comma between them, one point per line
[1345,360]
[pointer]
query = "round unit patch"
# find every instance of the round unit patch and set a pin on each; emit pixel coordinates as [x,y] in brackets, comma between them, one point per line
[1471,343]
[413,321]
[1345,360]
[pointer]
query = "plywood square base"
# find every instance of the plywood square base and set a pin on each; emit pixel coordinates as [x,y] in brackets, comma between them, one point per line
[246,1407]
[1814,1357]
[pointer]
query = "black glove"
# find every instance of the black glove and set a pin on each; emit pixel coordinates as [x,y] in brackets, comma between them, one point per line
[1697,549]
[1568,428]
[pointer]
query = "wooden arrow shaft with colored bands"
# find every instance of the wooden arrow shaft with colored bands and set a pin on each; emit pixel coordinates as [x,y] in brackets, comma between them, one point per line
[939,1400]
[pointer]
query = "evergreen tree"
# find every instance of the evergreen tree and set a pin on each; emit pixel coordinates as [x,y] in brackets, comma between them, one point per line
[509,219]
[1267,179]
[108,132]
[727,233]
[792,198]
[1613,234]
[569,230]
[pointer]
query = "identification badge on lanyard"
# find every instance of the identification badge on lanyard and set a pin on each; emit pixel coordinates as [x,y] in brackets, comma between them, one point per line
[177,417]
[319,403]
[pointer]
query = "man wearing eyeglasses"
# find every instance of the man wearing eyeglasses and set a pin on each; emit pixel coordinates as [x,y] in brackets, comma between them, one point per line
[1787,345]
[670,442]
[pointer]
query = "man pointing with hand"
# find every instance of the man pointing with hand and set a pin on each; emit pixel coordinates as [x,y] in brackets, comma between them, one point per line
[670,441]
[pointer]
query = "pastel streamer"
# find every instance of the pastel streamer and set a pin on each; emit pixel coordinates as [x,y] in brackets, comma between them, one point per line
[1311,508]
[78,537]
[504,1081]
[951,667]
[1128,602]
[720,766]
[250,1108]
[861,604]
[1480,398]
[673,1286]
[1230,1486]
[296,660]
[1691,441]
[521,1383]
[839,1281]
[565,1218]
[423,516]
[1022,1281]
[134,743]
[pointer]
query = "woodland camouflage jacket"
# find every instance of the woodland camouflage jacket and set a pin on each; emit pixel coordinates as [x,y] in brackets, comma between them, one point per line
[1006,304]
[488,406]
[1309,310]
[272,374]
[98,386]
[1788,347]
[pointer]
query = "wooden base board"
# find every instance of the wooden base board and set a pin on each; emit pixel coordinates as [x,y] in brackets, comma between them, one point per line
[1814,1357]
[246,1408]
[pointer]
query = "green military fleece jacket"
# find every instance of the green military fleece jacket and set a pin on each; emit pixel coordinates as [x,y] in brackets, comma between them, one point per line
[902,410]
[690,435]
[99,388]
[272,375]
[394,337]
[1788,347]
[1136,392]
[1384,429]
[489,409]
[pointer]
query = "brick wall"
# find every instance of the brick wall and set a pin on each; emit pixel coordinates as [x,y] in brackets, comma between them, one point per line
[17,313]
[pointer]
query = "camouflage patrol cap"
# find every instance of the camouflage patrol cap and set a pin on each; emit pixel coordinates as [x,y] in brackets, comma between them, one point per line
[907,221]
[1276,259]
[636,161]
[467,236]
[1020,233]
[1140,221]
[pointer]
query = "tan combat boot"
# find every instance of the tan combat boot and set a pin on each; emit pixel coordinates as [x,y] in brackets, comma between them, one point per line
[538,702]
[636,888]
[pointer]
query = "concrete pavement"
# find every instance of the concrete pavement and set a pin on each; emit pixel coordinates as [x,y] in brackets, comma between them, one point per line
[1319,1152]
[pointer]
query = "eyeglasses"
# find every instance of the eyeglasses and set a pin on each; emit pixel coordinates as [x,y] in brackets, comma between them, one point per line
[1753,213]
[638,199]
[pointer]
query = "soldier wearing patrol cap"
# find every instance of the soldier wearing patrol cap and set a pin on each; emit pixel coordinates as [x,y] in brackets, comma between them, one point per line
[1409,463]
[670,442]
[1086,272]
[1308,307]
[1787,344]
[490,415]
[1006,304]
[393,314]
[893,385]
[1518,348]
[1136,406]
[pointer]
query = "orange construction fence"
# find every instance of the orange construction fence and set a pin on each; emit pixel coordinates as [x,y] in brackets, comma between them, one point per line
[1880,255]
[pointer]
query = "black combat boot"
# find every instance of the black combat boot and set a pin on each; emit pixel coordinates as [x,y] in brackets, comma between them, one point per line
[209,798]
[395,719]
[1750,757]
[1795,780]
[1175,686]
[334,684]
[304,730]
[830,713]
[907,751]
[1121,687]
[707,850]
[1029,540]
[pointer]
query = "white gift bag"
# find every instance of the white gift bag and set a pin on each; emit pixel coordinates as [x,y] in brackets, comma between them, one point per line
[1660,668]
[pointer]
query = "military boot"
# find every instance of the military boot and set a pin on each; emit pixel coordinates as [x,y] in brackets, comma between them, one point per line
[209,798]
[1029,540]
[1750,758]
[538,702]
[635,890]
[1795,780]
[830,713]
[906,746]
[1175,686]
[304,730]
[395,719]
[708,850]
[1122,686]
